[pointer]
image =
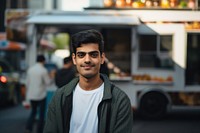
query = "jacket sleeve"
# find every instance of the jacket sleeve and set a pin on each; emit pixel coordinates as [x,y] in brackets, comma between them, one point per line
[51,124]
[124,120]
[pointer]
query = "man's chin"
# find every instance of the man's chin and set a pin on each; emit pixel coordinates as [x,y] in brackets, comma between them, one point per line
[88,76]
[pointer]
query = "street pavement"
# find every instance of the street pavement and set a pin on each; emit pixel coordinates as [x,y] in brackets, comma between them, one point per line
[13,120]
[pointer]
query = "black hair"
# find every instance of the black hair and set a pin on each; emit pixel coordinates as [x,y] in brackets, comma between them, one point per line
[87,36]
[67,59]
[40,58]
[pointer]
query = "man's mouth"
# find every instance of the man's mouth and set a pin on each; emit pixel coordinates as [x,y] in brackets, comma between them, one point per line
[87,66]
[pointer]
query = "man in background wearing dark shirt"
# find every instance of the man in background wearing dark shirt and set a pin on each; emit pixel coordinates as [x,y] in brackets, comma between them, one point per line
[65,74]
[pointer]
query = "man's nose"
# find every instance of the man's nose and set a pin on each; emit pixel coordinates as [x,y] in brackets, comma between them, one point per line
[87,58]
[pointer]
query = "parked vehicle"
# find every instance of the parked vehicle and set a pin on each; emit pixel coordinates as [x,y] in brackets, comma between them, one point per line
[8,84]
[152,55]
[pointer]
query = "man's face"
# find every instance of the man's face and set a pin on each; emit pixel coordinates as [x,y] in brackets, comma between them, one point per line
[88,60]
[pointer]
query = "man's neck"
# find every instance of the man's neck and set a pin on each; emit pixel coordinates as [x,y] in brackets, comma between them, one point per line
[90,84]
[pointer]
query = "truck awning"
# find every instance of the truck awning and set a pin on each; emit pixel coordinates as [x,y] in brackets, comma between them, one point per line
[84,18]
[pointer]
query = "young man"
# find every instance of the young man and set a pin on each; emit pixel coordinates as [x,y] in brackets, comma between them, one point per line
[90,103]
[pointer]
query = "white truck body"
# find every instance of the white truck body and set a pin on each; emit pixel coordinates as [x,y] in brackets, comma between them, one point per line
[152,91]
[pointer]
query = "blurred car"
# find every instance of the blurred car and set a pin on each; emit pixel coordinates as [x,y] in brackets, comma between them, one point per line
[8,84]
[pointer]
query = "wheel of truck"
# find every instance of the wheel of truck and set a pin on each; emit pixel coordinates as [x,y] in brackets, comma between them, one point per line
[153,105]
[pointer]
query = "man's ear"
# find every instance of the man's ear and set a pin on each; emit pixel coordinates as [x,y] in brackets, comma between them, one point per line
[103,57]
[74,58]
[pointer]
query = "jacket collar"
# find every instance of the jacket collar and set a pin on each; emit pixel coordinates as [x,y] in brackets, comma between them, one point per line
[107,87]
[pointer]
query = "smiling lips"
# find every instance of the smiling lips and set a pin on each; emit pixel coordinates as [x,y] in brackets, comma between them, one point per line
[87,67]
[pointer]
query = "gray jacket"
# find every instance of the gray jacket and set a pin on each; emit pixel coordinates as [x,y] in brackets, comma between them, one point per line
[114,111]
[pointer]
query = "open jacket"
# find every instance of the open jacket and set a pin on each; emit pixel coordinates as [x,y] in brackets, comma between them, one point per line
[114,111]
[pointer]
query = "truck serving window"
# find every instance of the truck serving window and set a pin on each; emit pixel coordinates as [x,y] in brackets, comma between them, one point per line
[118,51]
[193,59]
[155,51]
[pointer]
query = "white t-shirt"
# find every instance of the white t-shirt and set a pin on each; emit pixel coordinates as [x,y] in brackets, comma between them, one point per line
[84,117]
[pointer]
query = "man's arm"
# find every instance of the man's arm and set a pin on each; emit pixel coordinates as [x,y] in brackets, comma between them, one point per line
[124,121]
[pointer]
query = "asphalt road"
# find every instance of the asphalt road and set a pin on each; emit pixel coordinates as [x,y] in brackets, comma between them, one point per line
[176,121]
[13,119]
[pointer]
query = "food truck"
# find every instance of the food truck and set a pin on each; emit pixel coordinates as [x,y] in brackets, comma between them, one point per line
[152,55]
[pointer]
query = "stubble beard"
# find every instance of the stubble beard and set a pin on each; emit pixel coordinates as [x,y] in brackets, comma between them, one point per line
[88,76]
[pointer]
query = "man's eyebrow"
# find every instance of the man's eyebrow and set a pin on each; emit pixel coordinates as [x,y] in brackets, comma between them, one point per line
[87,52]
[93,52]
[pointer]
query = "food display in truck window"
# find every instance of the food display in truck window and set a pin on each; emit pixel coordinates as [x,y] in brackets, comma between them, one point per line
[152,79]
[118,52]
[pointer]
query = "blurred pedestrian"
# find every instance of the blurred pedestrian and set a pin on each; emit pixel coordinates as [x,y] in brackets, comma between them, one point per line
[104,69]
[66,73]
[37,80]
[90,103]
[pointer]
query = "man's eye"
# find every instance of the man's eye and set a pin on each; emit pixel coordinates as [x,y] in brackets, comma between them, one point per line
[81,54]
[94,54]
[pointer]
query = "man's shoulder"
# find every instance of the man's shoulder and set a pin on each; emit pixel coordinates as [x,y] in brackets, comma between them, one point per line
[115,90]
[61,90]
[118,92]
[38,67]
[58,95]
[68,88]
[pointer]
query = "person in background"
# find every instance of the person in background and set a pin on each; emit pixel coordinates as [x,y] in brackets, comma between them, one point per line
[104,69]
[90,103]
[65,74]
[37,81]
